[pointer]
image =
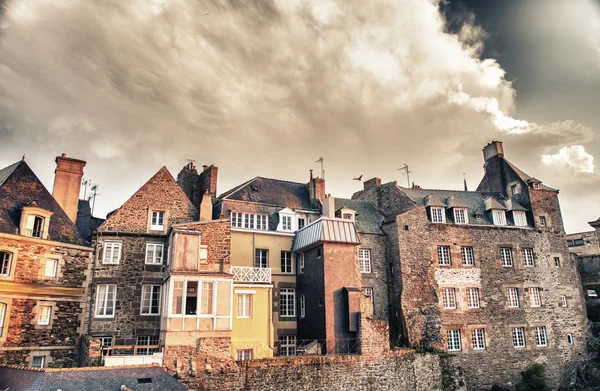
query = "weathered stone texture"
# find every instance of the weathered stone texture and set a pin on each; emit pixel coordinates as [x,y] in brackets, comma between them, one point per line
[379,273]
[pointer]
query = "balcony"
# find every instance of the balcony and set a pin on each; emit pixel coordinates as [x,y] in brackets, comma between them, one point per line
[252,275]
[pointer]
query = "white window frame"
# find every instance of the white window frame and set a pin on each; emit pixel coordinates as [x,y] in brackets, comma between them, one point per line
[286,222]
[535,298]
[499,216]
[302,306]
[145,340]
[512,298]
[563,301]
[437,214]
[237,220]
[146,301]
[478,339]
[203,252]
[6,263]
[364,257]
[518,337]
[467,254]
[258,259]
[461,216]
[160,215]
[3,307]
[287,345]
[262,222]
[243,354]
[244,305]
[30,226]
[473,298]
[557,262]
[449,298]
[53,262]
[112,246]
[528,256]
[520,218]
[541,336]
[287,302]
[44,315]
[506,256]
[301,263]
[453,339]
[41,364]
[102,308]
[286,262]
[444,256]
[153,247]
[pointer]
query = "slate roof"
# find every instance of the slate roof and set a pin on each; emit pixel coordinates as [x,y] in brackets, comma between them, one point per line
[368,217]
[269,191]
[86,223]
[19,186]
[90,379]
[527,178]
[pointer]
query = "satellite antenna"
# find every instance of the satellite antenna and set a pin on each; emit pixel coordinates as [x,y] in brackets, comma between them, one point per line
[407,172]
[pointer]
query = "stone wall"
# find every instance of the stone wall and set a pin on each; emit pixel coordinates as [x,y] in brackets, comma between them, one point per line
[379,272]
[589,269]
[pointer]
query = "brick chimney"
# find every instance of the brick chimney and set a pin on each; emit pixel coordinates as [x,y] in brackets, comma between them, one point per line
[208,179]
[316,189]
[187,179]
[67,184]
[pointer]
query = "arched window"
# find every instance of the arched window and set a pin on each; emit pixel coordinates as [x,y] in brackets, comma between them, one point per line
[2,316]
[5,263]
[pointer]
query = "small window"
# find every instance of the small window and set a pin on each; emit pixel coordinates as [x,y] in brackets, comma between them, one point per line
[5,263]
[512,297]
[453,340]
[449,298]
[2,317]
[249,220]
[261,258]
[499,217]
[112,253]
[44,315]
[528,258]
[301,222]
[443,253]
[478,339]
[557,261]
[520,218]
[236,220]
[518,337]
[348,216]
[570,243]
[301,264]
[261,222]
[364,256]
[286,223]
[287,345]
[320,301]
[368,292]
[148,340]
[563,301]
[244,306]
[541,337]
[473,297]
[535,299]
[203,253]
[158,223]
[35,226]
[154,253]
[319,253]
[536,186]
[106,297]
[38,361]
[51,267]
[150,300]
[302,306]
[105,344]
[543,222]
[569,338]
[286,262]
[287,300]
[438,215]
[243,354]
[514,190]
[578,242]
[468,256]
[460,216]
[206,305]
[506,256]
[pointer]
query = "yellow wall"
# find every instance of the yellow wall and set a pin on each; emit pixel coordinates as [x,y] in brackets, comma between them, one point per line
[254,333]
[244,243]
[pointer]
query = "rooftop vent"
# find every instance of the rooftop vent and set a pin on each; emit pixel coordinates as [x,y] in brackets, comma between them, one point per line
[144,380]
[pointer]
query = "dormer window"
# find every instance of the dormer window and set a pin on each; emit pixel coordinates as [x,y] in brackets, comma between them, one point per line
[520,218]
[35,226]
[35,222]
[438,214]
[287,220]
[536,185]
[286,223]
[499,217]
[158,223]
[460,216]
[346,213]
[514,190]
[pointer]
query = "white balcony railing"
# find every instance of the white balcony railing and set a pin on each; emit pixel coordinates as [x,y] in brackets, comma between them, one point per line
[251,274]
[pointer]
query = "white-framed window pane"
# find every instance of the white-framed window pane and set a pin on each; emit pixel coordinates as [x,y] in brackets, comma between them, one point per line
[287,300]
[478,339]
[149,340]
[506,256]
[236,220]
[249,220]
[38,361]
[206,306]
[286,223]
[177,300]
[563,301]
[244,306]
[473,297]
[449,297]
[154,253]
[261,222]
[437,215]
[112,253]
[460,216]
[243,354]
[534,297]
[468,256]
[287,345]
[499,217]
[453,340]
[512,297]
[34,226]
[51,266]
[2,317]
[106,300]
[528,257]
[443,253]
[364,256]
[45,312]
[520,218]
[261,258]
[541,338]
[105,342]
[150,300]
[286,262]
[518,337]
[5,263]
[157,220]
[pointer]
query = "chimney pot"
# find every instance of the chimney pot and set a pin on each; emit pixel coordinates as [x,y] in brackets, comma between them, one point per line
[67,184]
[63,155]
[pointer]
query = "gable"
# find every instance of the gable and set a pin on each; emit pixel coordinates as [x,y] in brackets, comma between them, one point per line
[269,191]
[160,192]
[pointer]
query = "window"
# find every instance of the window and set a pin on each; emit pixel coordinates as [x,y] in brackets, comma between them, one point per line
[438,215]
[105,301]
[286,223]
[512,297]
[44,315]
[534,297]
[287,299]
[518,337]
[177,301]
[149,340]
[319,253]
[478,339]
[460,216]
[286,262]
[443,253]
[449,297]
[348,216]
[206,306]
[369,293]
[499,217]
[244,306]
[154,253]
[563,301]
[287,346]
[236,219]
[468,256]
[112,253]
[51,267]
[38,361]
[302,306]
[541,338]
[528,257]
[301,222]
[203,253]
[261,222]
[105,342]
[157,221]
[320,301]
[2,316]
[520,218]
[453,340]
[261,259]
[506,256]
[570,338]
[243,354]
[364,256]
[301,263]
[570,243]
[557,261]
[150,300]
[473,297]
[514,190]
[35,226]
[5,263]
[249,220]
[543,223]
[536,185]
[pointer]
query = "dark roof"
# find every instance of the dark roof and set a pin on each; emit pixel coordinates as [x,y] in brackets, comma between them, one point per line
[368,217]
[100,378]
[527,178]
[268,191]
[86,223]
[19,187]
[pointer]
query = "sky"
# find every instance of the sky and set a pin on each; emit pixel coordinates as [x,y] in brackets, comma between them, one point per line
[266,88]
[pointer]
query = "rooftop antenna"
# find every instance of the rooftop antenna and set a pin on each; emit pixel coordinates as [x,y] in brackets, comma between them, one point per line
[322,170]
[407,172]
[93,195]
[85,184]
[190,163]
[465,181]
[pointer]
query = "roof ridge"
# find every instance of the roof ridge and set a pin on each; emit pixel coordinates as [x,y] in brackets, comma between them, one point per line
[280,180]
[449,190]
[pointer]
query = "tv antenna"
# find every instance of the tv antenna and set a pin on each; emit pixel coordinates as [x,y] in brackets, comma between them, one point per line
[322,170]
[93,195]
[407,172]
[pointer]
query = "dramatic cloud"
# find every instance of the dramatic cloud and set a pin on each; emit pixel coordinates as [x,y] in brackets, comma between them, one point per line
[574,157]
[258,88]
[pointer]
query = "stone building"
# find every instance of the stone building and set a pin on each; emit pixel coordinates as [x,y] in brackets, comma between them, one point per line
[583,243]
[45,267]
[485,275]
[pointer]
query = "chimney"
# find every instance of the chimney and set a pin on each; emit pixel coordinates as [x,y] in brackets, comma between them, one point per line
[372,183]
[493,149]
[208,179]
[316,189]
[206,207]
[329,206]
[67,184]
[187,178]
